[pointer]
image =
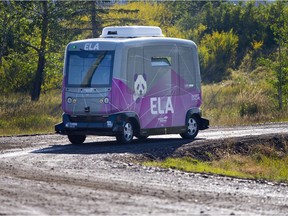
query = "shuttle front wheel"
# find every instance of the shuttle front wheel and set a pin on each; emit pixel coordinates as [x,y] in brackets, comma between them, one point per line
[76,139]
[192,128]
[127,134]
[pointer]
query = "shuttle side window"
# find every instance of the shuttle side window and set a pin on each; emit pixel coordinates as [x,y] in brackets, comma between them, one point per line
[187,68]
[134,65]
[160,63]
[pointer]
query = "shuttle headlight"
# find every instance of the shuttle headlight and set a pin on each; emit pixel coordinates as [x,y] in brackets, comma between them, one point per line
[106,100]
[69,100]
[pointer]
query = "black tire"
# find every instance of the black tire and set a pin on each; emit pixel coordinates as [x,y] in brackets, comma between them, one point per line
[127,134]
[192,128]
[76,139]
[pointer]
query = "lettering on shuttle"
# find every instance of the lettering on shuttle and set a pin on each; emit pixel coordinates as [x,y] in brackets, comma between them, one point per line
[156,107]
[91,46]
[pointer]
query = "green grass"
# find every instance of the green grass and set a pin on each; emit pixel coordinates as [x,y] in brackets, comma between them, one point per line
[264,158]
[266,162]
[188,164]
[272,169]
[18,115]
[244,99]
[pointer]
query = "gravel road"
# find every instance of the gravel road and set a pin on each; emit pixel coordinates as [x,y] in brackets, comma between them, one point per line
[46,175]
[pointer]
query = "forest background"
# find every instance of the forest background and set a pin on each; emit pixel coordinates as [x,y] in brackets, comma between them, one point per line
[242,46]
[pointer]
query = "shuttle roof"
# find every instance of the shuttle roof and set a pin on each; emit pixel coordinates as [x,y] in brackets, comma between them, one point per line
[131,32]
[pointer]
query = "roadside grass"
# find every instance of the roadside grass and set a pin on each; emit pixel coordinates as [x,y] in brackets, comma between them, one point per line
[262,167]
[239,166]
[244,99]
[18,115]
[265,161]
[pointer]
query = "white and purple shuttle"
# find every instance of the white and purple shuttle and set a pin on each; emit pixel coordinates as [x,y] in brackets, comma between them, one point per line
[131,81]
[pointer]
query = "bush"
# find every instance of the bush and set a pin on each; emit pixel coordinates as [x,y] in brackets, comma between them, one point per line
[217,52]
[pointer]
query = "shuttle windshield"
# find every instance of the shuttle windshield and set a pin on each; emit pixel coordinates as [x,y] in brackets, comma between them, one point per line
[89,68]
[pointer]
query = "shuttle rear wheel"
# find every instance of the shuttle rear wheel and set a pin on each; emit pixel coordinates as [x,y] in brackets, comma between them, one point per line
[76,139]
[127,135]
[192,128]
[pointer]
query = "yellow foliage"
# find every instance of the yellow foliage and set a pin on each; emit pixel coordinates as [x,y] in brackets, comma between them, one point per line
[257,44]
[143,13]
[218,45]
[195,34]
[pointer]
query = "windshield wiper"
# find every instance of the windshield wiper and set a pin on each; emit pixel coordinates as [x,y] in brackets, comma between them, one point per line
[92,69]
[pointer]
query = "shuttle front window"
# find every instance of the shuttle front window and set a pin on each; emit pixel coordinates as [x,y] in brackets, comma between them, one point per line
[89,68]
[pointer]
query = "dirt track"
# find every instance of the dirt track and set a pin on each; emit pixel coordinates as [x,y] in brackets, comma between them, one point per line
[45,175]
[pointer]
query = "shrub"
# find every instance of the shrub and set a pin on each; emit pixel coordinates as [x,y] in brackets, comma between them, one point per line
[217,51]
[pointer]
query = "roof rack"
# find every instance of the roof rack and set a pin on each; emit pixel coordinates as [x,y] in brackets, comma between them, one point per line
[131,32]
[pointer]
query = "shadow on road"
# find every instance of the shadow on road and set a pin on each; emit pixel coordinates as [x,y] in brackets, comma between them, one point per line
[158,147]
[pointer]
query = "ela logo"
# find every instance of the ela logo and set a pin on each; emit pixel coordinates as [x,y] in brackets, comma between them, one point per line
[91,46]
[161,105]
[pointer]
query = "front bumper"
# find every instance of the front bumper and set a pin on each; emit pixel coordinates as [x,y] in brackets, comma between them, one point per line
[90,125]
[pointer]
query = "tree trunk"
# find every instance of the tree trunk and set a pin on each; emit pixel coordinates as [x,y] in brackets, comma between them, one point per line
[280,86]
[38,79]
[93,19]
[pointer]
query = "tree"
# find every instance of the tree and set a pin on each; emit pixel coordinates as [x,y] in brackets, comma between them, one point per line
[87,17]
[38,80]
[144,13]
[33,35]
[217,53]
[4,28]
[279,15]
[12,71]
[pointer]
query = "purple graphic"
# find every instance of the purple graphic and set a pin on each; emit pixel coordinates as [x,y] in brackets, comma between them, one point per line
[158,107]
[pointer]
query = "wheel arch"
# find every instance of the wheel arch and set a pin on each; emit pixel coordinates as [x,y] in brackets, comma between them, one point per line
[193,112]
[121,118]
[196,112]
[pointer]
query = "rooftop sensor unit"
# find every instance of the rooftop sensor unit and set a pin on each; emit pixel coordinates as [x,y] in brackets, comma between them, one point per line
[131,32]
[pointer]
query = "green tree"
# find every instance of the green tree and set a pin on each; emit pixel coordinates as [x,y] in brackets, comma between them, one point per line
[6,23]
[33,35]
[38,33]
[12,71]
[217,53]
[279,17]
